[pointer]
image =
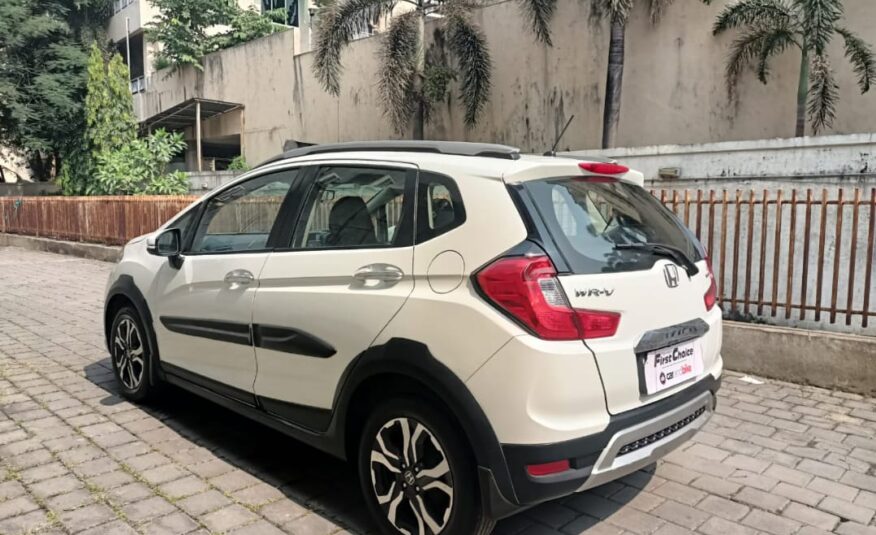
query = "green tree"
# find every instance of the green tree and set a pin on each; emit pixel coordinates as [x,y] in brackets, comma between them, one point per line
[182,27]
[43,56]
[618,14]
[109,122]
[411,82]
[770,27]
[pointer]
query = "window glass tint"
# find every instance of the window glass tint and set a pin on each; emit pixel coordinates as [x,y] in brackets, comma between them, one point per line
[588,219]
[440,206]
[353,207]
[241,218]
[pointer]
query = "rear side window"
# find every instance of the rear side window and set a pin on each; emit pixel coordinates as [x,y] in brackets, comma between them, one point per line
[588,218]
[439,206]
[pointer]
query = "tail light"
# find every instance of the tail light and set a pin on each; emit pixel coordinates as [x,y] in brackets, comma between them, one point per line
[526,287]
[711,296]
[601,168]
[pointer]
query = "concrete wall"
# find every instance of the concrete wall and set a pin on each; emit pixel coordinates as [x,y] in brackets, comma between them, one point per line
[673,85]
[207,180]
[822,156]
[23,189]
[822,359]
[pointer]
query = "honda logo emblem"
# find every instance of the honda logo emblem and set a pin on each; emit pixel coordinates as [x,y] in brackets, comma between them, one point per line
[670,272]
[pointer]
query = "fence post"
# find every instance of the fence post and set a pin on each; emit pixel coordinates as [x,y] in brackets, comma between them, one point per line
[806,235]
[737,210]
[777,253]
[789,292]
[819,279]
[764,218]
[749,245]
[871,237]
[837,238]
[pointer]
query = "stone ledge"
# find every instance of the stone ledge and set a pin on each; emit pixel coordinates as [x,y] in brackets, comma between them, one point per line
[829,360]
[94,251]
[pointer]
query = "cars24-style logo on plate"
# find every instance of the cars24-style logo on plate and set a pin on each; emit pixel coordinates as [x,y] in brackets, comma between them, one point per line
[667,367]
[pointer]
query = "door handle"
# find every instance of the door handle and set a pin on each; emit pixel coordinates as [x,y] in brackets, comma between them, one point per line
[379,272]
[239,276]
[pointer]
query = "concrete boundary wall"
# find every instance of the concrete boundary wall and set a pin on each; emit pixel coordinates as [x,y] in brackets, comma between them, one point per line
[836,361]
[94,251]
[851,156]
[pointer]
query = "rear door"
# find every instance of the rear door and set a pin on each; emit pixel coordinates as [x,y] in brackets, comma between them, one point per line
[323,300]
[666,338]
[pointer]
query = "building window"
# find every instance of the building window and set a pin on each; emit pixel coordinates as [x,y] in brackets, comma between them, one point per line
[289,6]
[119,5]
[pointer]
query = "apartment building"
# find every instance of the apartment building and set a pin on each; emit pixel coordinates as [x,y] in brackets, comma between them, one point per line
[127,30]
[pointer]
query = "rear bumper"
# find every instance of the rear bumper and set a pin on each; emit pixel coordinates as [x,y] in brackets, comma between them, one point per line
[632,440]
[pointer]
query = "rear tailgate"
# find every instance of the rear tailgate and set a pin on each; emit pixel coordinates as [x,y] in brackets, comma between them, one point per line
[648,305]
[668,336]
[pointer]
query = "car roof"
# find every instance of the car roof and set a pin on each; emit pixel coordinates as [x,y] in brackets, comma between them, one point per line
[482,160]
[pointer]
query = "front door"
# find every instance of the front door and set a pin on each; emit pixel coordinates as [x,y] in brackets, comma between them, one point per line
[325,299]
[203,310]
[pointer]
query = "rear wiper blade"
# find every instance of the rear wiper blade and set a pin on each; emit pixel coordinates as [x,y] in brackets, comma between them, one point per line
[663,250]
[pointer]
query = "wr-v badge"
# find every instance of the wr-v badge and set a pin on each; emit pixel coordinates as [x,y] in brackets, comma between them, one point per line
[670,272]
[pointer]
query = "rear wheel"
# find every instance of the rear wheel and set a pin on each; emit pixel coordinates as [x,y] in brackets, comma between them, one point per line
[130,355]
[417,473]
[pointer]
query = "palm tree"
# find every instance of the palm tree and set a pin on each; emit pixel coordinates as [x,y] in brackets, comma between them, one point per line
[412,81]
[618,13]
[769,27]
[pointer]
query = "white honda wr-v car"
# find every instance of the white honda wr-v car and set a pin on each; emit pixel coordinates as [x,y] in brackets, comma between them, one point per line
[479,331]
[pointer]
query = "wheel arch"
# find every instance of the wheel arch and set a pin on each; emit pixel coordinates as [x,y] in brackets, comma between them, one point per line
[407,367]
[124,292]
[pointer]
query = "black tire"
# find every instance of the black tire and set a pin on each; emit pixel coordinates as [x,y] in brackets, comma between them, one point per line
[133,371]
[411,486]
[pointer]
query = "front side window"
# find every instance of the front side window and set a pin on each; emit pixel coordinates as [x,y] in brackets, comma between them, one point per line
[354,207]
[589,218]
[241,218]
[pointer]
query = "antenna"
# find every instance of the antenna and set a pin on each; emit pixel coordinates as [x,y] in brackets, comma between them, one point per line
[553,151]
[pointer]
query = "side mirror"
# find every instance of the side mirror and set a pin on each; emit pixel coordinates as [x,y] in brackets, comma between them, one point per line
[168,243]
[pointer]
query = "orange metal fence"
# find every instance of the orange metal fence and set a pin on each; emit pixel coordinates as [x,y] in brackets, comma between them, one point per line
[801,255]
[805,255]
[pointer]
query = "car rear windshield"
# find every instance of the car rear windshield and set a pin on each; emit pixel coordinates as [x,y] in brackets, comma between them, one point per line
[589,217]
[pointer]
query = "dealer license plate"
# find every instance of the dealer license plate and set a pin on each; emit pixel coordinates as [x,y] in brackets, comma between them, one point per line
[667,367]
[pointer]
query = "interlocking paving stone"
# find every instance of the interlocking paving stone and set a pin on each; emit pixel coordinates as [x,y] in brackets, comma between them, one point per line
[776,458]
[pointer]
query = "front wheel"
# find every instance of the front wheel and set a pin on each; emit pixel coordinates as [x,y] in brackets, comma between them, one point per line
[130,355]
[417,473]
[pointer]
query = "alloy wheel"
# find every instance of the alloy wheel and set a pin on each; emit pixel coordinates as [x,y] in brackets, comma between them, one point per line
[128,353]
[411,477]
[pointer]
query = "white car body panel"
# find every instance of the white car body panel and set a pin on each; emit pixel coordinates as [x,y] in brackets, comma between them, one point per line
[645,303]
[315,291]
[198,290]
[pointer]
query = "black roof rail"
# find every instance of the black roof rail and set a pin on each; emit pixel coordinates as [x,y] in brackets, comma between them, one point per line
[456,148]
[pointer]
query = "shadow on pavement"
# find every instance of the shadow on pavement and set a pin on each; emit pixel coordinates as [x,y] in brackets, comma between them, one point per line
[315,480]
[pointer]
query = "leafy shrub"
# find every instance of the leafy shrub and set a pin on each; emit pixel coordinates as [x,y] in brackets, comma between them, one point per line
[140,167]
[238,164]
